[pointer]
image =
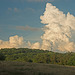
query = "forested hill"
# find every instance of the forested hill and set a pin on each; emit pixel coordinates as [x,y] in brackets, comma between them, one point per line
[37,56]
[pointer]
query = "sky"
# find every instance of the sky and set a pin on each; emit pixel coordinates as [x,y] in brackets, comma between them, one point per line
[22,17]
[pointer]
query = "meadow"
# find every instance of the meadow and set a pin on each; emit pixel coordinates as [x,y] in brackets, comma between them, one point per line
[26,68]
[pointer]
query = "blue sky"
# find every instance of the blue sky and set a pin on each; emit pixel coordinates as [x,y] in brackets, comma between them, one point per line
[26,13]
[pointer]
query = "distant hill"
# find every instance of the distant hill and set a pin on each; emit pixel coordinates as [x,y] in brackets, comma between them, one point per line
[37,56]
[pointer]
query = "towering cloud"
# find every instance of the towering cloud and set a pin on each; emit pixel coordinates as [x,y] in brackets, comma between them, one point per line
[58,29]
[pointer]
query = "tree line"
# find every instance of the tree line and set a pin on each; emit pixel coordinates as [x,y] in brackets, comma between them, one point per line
[37,56]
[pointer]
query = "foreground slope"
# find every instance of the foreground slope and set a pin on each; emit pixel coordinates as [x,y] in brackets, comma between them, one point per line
[24,68]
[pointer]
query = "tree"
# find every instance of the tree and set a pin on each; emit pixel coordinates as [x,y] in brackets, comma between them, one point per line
[2,57]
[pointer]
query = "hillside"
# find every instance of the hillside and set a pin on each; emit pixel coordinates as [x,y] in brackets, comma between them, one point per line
[37,56]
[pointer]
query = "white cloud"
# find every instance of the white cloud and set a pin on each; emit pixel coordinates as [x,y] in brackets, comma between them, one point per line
[57,30]
[35,45]
[14,42]
[18,42]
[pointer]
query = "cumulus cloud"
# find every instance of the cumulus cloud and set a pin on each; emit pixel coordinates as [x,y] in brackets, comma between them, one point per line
[35,45]
[27,28]
[14,42]
[18,42]
[58,29]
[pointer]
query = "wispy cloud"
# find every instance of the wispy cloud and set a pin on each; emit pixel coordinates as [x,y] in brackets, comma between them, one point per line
[18,10]
[27,28]
[39,0]
[35,0]
[9,9]
[29,9]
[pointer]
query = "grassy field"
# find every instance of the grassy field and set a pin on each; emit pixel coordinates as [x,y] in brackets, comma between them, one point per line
[23,68]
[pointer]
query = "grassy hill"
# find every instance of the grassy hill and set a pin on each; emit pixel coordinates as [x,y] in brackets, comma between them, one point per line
[26,68]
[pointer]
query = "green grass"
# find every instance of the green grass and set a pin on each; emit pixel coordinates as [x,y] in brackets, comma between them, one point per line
[23,68]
